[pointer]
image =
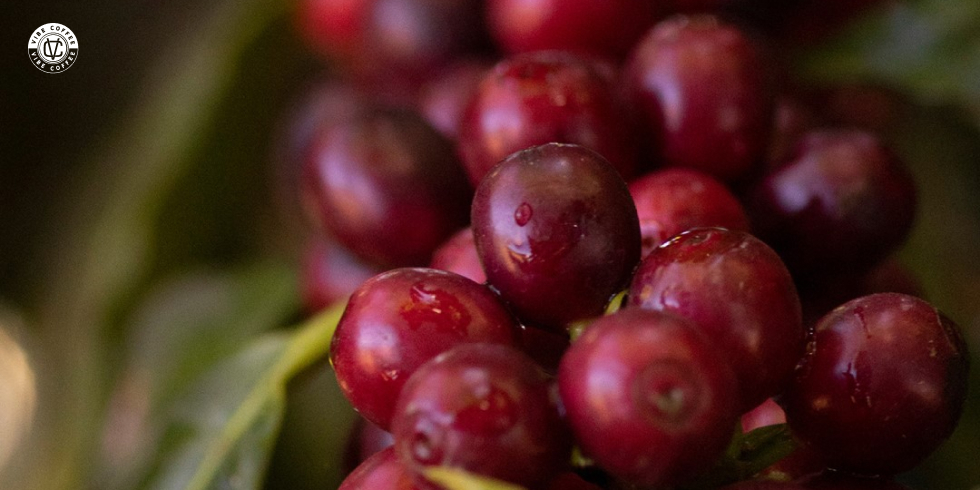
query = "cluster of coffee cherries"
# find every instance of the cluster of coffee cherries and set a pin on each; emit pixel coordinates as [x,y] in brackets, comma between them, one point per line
[587,243]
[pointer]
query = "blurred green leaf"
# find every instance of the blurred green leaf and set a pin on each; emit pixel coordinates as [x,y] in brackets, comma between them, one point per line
[221,433]
[930,48]
[455,479]
[943,152]
[182,329]
[107,243]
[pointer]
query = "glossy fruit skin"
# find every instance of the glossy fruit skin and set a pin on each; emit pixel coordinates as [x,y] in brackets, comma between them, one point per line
[672,201]
[334,28]
[600,27]
[394,39]
[739,293]
[792,120]
[398,320]
[767,413]
[883,384]
[458,254]
[382,471]
[443,99]
[614,379]
[411,38]
[486,409]
[557,233]
[705,91]
[841,203]
[543,97]
[386,185]
[329,273]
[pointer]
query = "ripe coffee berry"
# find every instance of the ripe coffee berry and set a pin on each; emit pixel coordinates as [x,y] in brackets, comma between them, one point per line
[386,185]
[738,292]
[705,91]
[544,97]
[650,398]
[557,233]
[882,385]
[672,201]
[330,274]
[443,98]
[458,254]
[486,409]
[398,320]
[600,27]
[840,203]
[383,471]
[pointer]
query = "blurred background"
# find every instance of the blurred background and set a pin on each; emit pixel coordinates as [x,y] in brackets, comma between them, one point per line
[142,240]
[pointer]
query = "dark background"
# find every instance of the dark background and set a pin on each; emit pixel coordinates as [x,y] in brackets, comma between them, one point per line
[50,123]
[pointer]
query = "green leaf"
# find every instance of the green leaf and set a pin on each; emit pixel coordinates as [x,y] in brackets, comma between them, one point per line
[221,433]
[180,331]
[930,48]
[748,454]
[455,479]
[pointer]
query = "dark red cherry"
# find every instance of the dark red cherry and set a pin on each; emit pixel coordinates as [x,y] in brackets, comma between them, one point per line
[601,27]
[544,97]
[649,398]
[382,471]
[334,28]
[411,38]
[458,254]
[398,320]
[706,92]
[557,233]
[883,384]
[841,204]
[485,409]
[738,292]
[330,274]
[672,201]
[386,185]
[792,120]
[443,99]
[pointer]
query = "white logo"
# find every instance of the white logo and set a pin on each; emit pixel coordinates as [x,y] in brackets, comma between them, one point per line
[53,48]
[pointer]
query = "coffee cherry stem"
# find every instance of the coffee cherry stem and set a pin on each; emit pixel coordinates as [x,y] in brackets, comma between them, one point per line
[747,455]
[616,302]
